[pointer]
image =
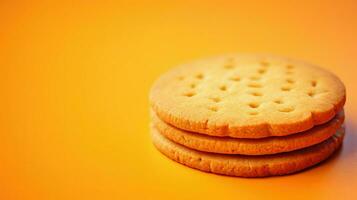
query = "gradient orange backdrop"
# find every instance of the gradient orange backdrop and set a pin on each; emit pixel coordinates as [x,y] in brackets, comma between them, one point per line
[74,79]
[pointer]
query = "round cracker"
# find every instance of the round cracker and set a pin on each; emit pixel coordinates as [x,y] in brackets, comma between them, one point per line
[262,146]
[249,166]
[247,96]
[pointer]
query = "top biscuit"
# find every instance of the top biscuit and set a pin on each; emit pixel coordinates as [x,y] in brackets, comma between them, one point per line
[247,96]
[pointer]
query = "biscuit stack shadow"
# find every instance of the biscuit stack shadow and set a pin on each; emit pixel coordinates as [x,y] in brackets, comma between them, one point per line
[248,115]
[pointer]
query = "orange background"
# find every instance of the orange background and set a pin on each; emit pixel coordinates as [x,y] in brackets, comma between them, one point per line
[74,81]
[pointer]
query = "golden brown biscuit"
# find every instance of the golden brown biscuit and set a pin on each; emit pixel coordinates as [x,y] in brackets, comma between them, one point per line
[247,96]
[269,145]
[249,166]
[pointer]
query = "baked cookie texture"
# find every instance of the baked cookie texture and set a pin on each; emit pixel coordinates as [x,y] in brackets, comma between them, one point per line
[247,96]
[249,166]
[248,115]
[262,146]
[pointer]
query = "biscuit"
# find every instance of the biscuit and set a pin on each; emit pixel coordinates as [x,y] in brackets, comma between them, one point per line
[249,166]
[269,145]
[247,96]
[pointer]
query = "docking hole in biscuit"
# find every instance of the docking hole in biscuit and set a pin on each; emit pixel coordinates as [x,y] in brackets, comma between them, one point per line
[235,78]
[264,63]
[253,113]
[256,94]
[213,108]
[289,66]
[189,94]
[254,105]
[286,109]
[262,71]
[199,76]
[255,85]
[254,78]
[286,88]
[215,99]
[311,93]
[313,83]
[223,88]
[289,80]
[278,101]
[229,66]
[192,85]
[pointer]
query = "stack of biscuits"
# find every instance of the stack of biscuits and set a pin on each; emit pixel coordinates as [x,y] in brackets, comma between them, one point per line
[248,115]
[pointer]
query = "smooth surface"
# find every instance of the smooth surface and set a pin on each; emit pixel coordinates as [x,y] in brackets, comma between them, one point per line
[74,82]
